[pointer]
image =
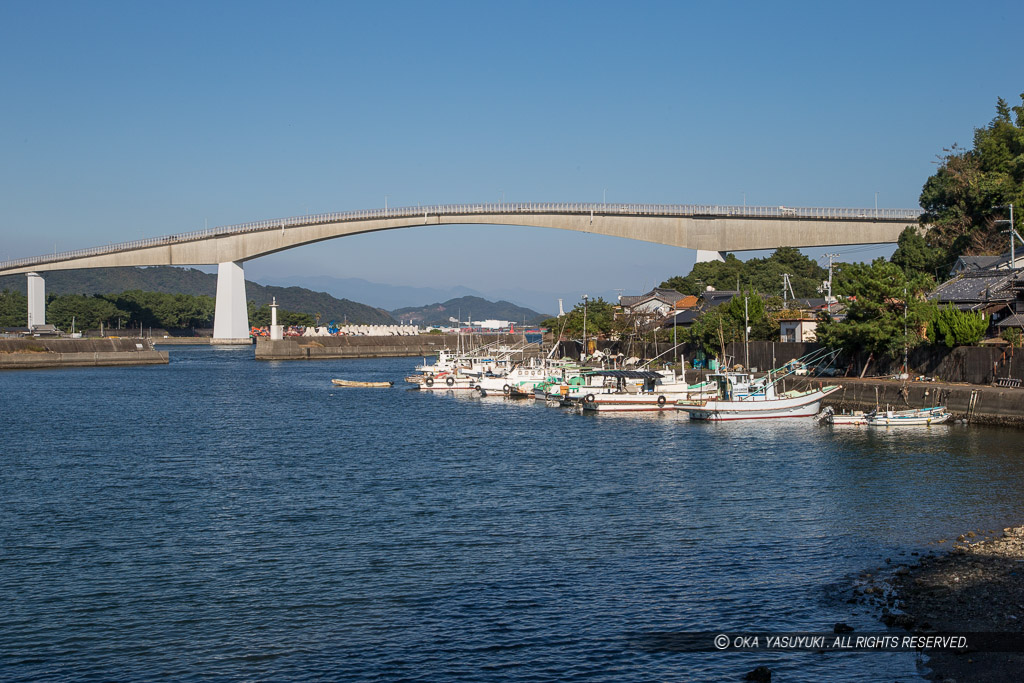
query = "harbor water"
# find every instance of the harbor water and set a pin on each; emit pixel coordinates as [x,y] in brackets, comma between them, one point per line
[219,518]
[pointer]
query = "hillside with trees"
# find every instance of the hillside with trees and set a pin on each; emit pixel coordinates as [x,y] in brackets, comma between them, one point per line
[963,205]
[960,198]
[193,282]
[466,307]
[760,274]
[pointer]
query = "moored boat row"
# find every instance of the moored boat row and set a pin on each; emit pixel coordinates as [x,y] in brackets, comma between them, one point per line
[723,396]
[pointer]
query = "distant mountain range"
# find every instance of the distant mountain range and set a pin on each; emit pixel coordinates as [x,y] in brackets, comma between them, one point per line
[392,297]
[191,281]
[388,297]
[176,280]
[467,308]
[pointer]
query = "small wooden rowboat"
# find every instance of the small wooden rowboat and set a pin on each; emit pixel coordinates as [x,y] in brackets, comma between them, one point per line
[352,383]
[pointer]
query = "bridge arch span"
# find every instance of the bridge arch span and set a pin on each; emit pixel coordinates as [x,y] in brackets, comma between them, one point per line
[705,228]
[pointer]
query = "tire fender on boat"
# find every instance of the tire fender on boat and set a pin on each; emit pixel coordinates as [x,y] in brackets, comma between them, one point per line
[589,398]
[661,400]
[506,389]
[429,381]
[450,381]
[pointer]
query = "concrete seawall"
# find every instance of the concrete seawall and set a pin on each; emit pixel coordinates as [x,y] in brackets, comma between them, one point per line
[313,348]
[24,354]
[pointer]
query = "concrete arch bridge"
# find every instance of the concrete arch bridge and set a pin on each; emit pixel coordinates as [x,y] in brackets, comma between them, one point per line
[708,229]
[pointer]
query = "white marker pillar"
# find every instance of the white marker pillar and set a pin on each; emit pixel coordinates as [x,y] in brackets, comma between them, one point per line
[231,317]
[276,331]
[36,300]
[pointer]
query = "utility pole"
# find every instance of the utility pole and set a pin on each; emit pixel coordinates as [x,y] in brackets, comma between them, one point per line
[746,338]
[1013,235]
[585,297]
[786,287]
[906,369]
[828,300]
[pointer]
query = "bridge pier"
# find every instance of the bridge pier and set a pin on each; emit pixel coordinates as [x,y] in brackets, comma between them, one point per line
[36,301]
[703,256]
[231,317]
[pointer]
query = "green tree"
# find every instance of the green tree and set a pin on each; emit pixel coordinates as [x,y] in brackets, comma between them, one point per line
[159,309]
[886,310]
[916,257]
[954,327]
[718,274]
[958,199]
[260,317]
[724,323]
[762,274]
[1012,336]
[13,309]
[85,312]
[600,318]
[713,329]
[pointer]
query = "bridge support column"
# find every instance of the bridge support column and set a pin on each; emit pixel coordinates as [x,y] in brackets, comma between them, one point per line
[36,300]
[231,317]
[703,256]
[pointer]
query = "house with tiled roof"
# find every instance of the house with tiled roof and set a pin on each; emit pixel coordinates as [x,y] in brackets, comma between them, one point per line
[1016,318]
[988,291]
[997,293]
[975,264]
[655,302]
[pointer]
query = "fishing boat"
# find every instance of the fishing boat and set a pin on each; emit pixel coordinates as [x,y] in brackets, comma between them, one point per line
[829,416]
[521,380]
[642,390]
[448,381]
[492,359]
[917,417]
[354,383]
[760,398]
[888,418]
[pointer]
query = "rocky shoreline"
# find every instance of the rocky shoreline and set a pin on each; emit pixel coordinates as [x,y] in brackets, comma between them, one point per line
[976,587]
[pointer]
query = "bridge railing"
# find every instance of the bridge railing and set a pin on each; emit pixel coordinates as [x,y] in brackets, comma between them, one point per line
[504,208]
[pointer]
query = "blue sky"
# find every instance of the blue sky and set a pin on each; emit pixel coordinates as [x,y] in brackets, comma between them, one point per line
[123,120]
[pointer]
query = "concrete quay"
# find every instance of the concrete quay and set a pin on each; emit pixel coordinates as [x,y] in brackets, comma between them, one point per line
[25,354]
[317,348]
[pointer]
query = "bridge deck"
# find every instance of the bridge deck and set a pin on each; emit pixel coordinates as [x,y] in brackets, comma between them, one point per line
[505,210]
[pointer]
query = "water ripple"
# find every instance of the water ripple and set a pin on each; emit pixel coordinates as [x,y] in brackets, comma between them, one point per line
[221,519]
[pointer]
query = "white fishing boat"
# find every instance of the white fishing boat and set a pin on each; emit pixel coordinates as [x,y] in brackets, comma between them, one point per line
[522,379]
[489,360]
[918,417]
[761,401]
[654,391]
[448,381]
[588,382]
